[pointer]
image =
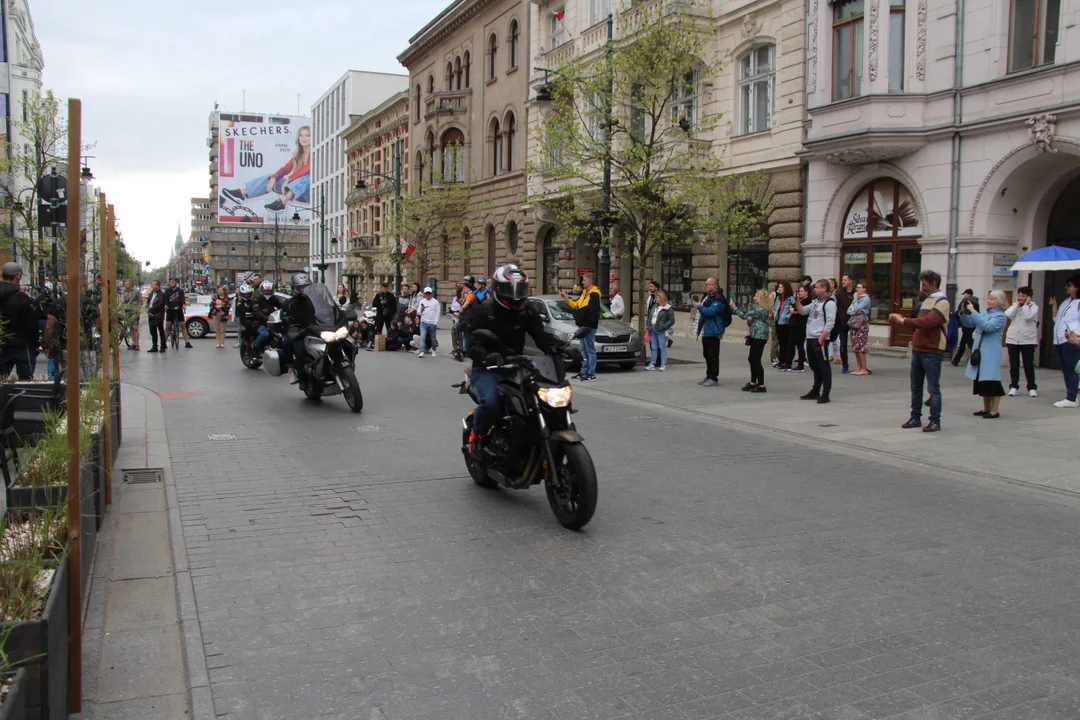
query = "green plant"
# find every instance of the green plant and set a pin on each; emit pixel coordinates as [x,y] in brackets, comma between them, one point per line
[43,530]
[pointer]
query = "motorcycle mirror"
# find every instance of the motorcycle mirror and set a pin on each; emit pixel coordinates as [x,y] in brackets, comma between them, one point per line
[350,315]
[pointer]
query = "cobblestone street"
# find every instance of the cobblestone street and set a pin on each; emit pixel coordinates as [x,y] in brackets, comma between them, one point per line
[345,566]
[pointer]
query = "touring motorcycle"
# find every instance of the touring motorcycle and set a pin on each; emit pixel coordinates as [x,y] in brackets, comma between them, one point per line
[535,439]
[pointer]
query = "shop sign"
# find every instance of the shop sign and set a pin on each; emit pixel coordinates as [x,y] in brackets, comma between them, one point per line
[583,270]
[885,207]
[1006,259]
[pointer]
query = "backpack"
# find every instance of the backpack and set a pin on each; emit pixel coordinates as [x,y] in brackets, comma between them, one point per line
[726,315]
[952,334]
[835,334]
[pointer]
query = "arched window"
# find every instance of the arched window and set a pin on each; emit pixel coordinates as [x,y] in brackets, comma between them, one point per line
[444,256]
[430,84]
[453,152]
[431,158]
[515,43]
[416,105]
[511,140]
[468,64]
[493,55]
[466,250]
[551,262]
[457,71]
[449,76]
[512,238]
[757,78]
[496,147]
[420,170]
[489,263]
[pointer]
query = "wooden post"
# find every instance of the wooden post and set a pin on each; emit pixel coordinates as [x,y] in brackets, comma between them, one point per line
[106,349]
[114,284]
[74,327]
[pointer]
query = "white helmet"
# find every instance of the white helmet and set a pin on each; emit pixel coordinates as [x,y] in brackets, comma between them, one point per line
[245,290]
[267,288]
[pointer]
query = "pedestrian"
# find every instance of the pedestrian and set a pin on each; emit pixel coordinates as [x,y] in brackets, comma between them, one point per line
[618,305]
[927,349]
[428,310]
[456,308]
[130,311]
[858,322]
[1066,322]
[341,298]
[661,319]
[820,320]
[984,363]
[155,315]
[783,304]
[844,296]
[714,315]
[385,305]
[1021,339]
[834,337]
[967,334]
[758,314]
[219,315]
[20,321]
[798,330]
[587,314]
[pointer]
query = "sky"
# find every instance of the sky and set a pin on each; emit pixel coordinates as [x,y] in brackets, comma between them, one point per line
[149,73]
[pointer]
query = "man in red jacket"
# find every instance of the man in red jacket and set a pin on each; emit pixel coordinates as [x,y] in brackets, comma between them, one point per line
[927,349]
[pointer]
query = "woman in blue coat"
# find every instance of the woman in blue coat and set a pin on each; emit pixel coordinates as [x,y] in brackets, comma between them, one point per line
[989,325]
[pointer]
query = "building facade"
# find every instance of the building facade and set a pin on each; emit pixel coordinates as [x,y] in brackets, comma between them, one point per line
[758,94]
[353,94]
[376,145]
[941,136]
[468,80]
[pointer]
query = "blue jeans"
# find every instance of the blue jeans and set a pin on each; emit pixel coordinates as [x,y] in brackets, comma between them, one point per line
[485,385]
[658,346]
[926,366]
[1069,355]
[262,336]
[23,359]
[588,354]
[427,337]
[301,187]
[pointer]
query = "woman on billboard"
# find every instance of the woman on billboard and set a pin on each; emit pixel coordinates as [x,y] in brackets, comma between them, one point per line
[291,182]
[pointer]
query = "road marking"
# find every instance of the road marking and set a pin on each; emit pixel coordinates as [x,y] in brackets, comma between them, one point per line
[178,395]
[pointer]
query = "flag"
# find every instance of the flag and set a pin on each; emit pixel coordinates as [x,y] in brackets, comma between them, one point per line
[409,250]
[559,15]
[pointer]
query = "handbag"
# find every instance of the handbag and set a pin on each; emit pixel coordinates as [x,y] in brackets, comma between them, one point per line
[648,336]
[856,322]
[748,341]
[976,354]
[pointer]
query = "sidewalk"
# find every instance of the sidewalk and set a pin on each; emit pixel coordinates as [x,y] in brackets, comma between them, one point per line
[1033,443]
[133,660]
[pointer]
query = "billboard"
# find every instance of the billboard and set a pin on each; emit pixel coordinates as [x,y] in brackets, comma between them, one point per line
[264,168]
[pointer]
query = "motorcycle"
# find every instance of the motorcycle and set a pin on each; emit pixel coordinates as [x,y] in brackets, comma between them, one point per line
[330,354]
[535,440]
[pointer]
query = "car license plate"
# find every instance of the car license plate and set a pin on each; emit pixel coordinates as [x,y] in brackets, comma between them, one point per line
[613,348]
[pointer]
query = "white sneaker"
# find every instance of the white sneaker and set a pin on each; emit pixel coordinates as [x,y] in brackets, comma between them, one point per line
[650,366]
[1012,392]
[432,353]
[420,354]
[1066,403]
[662,368]
[1032,393]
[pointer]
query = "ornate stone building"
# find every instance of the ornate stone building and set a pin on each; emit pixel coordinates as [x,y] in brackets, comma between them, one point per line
[468,72]
[923,158]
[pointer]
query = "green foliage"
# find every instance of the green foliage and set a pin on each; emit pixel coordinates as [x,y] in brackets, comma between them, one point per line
[668,184]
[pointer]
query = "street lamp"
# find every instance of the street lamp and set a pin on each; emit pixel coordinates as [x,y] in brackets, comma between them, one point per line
[321,212]
[395,181]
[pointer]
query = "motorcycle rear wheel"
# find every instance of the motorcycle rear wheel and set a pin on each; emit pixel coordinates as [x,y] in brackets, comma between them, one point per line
[575,501]
[351,389]
[250,360]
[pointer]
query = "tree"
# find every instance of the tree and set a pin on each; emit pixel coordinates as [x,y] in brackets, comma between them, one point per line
[668,187]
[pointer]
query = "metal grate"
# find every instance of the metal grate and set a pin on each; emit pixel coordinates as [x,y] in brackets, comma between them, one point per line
[143,475]
[222,437]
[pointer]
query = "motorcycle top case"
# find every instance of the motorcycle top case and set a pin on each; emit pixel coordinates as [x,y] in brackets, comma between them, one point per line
[272,362]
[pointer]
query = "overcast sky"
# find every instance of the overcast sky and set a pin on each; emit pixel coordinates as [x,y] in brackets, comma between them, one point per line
[149,73]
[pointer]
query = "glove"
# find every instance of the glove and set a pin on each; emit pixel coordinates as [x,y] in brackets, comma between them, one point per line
[493,359]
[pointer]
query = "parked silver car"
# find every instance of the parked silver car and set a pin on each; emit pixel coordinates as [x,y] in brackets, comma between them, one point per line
[616,342]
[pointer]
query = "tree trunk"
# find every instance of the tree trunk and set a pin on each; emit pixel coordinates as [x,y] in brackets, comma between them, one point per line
[643,316]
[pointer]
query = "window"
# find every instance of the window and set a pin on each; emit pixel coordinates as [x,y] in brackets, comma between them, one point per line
[558,29]
[637,115]
[453,152]
[599,10]
[757,70]
[551,262]
[515,42]
[676,268]
[511,140]
[896,45]
[449,76]
[468,63]
[847,49]
[512,238]
[684,100]
[496,148]
[430,84]
[594,116]
[493,53]
[1033,33]
[491,248]
[457,71]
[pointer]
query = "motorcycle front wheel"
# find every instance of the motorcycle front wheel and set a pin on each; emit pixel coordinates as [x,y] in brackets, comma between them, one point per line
[351,389]
[249,359]
[572,495]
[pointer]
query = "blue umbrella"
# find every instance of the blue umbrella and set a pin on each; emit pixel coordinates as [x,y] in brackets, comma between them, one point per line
[1052,257]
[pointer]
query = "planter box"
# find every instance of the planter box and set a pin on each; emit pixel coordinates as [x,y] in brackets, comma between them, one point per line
[114,409]
[41,647]
[30,407]
[14,707]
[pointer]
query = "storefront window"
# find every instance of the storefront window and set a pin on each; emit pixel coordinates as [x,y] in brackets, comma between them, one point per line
[676,267]
[748,272]
[551,263]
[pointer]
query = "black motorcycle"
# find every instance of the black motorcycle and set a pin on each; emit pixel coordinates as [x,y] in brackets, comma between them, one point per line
[330,354]
[535,440]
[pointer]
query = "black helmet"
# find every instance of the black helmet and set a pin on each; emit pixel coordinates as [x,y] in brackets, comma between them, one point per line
[510,286]
[469,281]
[300,280]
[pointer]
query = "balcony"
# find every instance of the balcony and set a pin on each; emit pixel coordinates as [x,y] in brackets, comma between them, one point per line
[875,128]
[560,54]
[364,245]
[447,103]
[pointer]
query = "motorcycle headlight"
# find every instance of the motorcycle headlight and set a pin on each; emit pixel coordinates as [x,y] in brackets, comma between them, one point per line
[327,336]
[556,397]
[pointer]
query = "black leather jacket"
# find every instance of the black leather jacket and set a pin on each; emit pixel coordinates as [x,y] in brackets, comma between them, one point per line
[508,326]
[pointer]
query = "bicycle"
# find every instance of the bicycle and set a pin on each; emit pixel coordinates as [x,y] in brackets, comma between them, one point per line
[174,336]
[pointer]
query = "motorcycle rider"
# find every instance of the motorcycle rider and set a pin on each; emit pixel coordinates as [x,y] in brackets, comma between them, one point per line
[301,312]
[245,312]
[509,317]
[262,306]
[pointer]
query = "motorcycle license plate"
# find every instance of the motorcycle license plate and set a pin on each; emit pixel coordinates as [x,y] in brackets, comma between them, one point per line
[613,348]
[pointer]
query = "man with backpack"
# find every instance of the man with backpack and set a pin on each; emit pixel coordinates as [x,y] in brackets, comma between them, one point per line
[820,324]
[714,315]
